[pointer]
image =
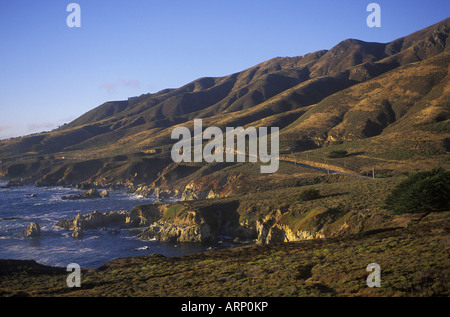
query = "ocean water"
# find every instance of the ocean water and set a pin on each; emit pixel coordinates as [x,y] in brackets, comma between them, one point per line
[55,246]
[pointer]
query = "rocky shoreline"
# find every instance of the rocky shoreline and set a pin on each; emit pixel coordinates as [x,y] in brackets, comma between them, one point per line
[413,259]
[165,222]
[201,211]
[204,221]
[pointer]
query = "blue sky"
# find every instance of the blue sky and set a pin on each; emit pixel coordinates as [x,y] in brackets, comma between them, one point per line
[50,73]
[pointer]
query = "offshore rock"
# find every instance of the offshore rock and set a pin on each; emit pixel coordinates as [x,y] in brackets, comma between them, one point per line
[33,230]
[94,220]
[15,182]
[77,233]
[91,193]
[84,186]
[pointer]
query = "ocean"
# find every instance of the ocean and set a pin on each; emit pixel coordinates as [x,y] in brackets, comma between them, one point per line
[55,246]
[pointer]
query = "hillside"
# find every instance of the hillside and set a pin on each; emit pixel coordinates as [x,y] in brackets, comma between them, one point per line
[385,103]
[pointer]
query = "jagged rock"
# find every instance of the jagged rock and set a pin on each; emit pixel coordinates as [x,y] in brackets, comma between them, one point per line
[244,232]
[190,193]
[77,233]
[104,194]
[212,195]
[161,194]
[143,191]
[115,186]
[167,232]
[84,186]
[44,182]
[91,193]
[263,227]
[272,230]
[142,215]
[94,220]
[33,230]
[187,226]
[14,183]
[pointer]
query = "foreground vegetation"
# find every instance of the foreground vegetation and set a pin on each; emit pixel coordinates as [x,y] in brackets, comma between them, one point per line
[414,261]
[412,250]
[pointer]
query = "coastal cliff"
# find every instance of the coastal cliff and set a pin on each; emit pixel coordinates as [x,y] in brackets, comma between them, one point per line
[266,218]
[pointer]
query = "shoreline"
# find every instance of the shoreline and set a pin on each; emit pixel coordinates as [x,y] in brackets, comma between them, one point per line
[329,267]
[98,226]
[36,263]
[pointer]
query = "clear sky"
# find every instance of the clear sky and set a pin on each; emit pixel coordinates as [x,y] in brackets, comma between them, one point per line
[50,73]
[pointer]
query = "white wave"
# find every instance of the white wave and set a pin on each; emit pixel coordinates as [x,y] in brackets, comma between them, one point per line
[85,250]
[145,247]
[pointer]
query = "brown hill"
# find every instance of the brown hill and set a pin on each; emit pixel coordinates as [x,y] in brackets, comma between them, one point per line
[356,95]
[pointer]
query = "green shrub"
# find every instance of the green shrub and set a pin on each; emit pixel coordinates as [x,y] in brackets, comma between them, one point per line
[174,211]
[421,192]
[338,154]
[309,194]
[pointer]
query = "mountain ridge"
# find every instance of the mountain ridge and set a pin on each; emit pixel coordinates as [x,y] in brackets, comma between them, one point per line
[356,91]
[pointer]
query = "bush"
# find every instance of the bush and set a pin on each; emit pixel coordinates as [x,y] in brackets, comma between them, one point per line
[421,192]
[309,194]
[338,154]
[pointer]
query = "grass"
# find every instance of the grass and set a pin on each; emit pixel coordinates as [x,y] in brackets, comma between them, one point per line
[174,211]
[414,262]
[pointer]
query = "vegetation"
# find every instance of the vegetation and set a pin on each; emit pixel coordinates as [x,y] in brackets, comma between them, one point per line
[309,194]
[174,211]
[413,261]
[421,192]
[338,154]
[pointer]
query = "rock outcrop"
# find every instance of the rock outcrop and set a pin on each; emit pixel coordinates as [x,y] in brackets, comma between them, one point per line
[91,193]
[205,187]
[143,215]
[77,232]
[208,187]
[286,227]
[33,230]
[138,216]
[167,232]
[203,221]
[15,182]
[196,221]
[94,220]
